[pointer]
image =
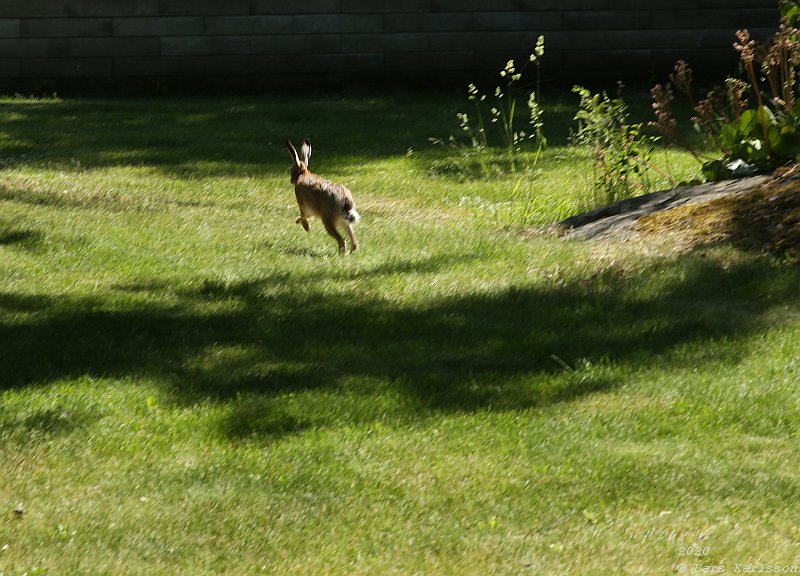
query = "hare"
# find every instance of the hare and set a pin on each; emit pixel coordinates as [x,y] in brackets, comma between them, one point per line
[330,202]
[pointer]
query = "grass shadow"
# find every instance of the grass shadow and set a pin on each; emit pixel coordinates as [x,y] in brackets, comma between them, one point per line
[263,418]
[22,237]
[17,155]
[275,337]
[202,137]
[24,303]
[42,424]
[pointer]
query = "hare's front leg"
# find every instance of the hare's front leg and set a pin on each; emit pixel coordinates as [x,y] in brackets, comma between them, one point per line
[303,219]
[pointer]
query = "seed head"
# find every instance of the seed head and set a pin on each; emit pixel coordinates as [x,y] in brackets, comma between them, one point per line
[681,77]
[536,113]
[736,93]
[704,117]
[538,50]
[745,46]
[665,121]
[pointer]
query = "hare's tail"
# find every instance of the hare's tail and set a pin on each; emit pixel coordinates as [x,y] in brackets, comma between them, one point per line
[352,216]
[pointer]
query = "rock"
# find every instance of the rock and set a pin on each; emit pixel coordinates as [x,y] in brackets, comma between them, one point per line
[619,218]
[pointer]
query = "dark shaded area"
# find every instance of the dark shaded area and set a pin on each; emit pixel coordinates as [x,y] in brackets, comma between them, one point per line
[44,423]
[237,136]
[768,218]
[478,351]
[21,237]
[202,137]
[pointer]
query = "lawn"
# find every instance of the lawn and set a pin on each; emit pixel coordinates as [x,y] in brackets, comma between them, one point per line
[190,383]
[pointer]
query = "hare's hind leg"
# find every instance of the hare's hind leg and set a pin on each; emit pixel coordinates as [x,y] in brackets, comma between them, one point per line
[303,221]
[353,241]
[330,227]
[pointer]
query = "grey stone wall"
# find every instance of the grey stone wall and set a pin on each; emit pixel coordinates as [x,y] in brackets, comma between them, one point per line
[144,45]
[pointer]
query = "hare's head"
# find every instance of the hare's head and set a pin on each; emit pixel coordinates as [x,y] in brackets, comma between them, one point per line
[300,161]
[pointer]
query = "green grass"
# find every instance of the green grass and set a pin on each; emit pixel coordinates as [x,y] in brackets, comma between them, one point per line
[190,383]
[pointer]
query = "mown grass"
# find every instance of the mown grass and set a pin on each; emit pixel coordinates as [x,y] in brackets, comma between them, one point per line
[192,384]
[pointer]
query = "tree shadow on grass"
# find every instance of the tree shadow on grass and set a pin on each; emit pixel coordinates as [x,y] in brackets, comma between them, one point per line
[20,237]
[252,343]
[23,237]
[201,137]
[44,423]
[222,136]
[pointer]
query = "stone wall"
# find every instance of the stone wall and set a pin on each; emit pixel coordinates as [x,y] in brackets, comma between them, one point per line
[147,45]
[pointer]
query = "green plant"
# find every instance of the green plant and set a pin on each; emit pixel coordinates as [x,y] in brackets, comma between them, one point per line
[496,148]
[502,132]
[754,137]
[789,11]
[621,150]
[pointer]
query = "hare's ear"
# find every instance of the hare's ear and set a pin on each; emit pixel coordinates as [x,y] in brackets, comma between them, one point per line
[293,153]
[305,151]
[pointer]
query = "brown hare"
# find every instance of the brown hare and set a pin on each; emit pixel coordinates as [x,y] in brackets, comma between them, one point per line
[330,202]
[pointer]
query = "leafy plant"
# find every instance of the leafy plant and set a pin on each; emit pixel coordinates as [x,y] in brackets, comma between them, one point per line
[754,136]
[621,150]
[790,11]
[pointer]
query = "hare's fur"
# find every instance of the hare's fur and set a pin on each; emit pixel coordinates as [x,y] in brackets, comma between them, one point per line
[317,197]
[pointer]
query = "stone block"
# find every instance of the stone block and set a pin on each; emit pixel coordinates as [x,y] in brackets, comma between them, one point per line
[126,46]
[112,8]
[336,23]
[10,27]
[204,7]
[159,66]
[65,27]
[34,48]
[371,7]
[303,43]
[534,21]
[34,9]
[66,67]
[254,24]
[434,61]
[10,68]
[305,7]
[204,45]
[158,26]
[428,22]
